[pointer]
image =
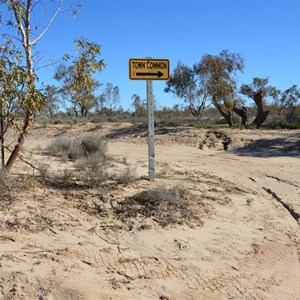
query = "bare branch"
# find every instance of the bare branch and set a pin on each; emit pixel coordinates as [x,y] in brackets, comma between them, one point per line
[27,22]
[49,23]
[19,21]
[35,4]
[21,157]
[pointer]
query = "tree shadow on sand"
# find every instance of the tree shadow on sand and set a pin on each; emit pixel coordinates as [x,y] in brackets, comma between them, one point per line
[283,146]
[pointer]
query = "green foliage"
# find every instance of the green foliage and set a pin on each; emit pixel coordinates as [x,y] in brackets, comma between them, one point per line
[17,88]
[185,84]
[260,85]
[20,97]
[52,101]
[288,101]
[259,90]
[286,125]
[172,123]
[77,82]
[218,76]
[109,99]
[213,78]
[139,106]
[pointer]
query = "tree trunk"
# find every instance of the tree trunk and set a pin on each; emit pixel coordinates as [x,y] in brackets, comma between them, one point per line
[2,140]
[290,116]
[23,25]
[261,113]
[76,112]
[16,151]
[227,115]
[243,113]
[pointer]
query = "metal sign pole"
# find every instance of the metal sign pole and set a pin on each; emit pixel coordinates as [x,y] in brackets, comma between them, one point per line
[151,153]
[149,69]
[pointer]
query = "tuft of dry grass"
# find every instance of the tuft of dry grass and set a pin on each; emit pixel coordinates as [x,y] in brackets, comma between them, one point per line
[165,206]
[127,176]
[75,149]
[90,156]
[9,184]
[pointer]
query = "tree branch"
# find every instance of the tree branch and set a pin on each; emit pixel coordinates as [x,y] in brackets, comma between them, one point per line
[49,23]
[27,21]
[19,21]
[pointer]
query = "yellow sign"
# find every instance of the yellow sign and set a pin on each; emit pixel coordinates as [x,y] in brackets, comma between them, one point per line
[149,69]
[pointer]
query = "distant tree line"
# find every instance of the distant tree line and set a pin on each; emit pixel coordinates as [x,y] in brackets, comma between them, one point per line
[213,80]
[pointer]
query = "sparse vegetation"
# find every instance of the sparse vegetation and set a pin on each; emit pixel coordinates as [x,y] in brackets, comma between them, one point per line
[9,184]
[76,149]
[89,154]
[166,206]
[127,176]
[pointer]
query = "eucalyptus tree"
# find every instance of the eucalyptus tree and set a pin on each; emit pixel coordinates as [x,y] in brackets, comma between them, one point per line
[185,83]
[289,100]
[76,75]
[110,97]
[259,90]
[22,30]
[139,106]
[13,92]
[51,105]
[218,77]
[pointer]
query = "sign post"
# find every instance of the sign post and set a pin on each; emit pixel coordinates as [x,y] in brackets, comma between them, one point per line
[149,69]
[151,152]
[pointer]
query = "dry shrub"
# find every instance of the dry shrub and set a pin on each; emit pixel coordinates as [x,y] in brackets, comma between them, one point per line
[92,170]
[90,156]
[62,147]
[9,184]
[127,176]
[75,149]
[165,206]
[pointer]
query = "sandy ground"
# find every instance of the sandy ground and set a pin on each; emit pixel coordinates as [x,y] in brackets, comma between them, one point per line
[66,243]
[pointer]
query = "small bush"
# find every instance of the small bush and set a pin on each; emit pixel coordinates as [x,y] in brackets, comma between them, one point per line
[90,156]
[127,176]
[165,206]
[93,170]
[172,123]
[90,145]
[287,125]
[10,184]
[61,147]
[75,149]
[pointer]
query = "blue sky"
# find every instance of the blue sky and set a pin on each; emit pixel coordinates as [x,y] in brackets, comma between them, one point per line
[265,32]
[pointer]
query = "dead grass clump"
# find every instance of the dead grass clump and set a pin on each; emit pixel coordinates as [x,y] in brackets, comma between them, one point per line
[62,147]
[92,170]
[165,206]
[90,156]
[74,149]
[90,146]
[127,176]
[11,183]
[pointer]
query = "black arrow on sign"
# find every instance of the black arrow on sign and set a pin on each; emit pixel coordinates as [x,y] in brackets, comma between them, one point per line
[158,74]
